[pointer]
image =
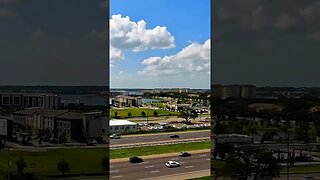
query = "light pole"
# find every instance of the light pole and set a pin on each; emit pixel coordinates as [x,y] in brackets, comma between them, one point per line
[9,162]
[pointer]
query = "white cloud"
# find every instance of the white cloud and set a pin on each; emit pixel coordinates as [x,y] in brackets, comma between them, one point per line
[5,13]
[285,22]
[195,58]
[134,36]
[115,55]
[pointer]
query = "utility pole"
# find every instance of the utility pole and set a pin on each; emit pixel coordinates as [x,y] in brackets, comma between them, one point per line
[9,162]
[288,139]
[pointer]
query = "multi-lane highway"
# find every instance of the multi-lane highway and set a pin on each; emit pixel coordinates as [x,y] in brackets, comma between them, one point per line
[160,137]
[155,167]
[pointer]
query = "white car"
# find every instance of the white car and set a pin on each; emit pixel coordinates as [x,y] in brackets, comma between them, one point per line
[114,136]
[170,164]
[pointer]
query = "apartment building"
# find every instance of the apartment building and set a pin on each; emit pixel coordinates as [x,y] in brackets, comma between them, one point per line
[29,100]
[73,125]
[127,101]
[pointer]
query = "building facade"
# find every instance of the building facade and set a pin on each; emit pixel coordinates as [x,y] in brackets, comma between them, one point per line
[120,126]
[30,100]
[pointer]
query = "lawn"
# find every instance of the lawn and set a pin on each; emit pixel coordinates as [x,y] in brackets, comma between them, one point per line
[136,112]
[80,160]
[303,169]
[150,150]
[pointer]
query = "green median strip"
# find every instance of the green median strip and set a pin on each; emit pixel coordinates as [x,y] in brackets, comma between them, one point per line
[161,149]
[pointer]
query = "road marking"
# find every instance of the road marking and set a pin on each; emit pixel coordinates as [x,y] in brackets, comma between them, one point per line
[175,159]
[182,162]
[202,155]
[155,171]
[111,166]
[114,171]
[172,175]
[208,159]
[149,167]
[187,167]
[116,177]
[145,162]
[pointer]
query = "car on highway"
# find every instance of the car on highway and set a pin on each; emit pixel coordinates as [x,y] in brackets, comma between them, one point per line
[135,159]
[115,136]
[174,136]
[184,154]
[171,164]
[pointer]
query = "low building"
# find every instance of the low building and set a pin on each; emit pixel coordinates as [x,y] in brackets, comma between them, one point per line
[73,126]
[119,126]
[127,101]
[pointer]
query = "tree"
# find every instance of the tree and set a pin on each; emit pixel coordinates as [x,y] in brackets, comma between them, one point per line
[143,113]
[105,163]
[115,114]
[63,166]
[129,114]
[251,163]
[155,113]
[188,114]
[21,164]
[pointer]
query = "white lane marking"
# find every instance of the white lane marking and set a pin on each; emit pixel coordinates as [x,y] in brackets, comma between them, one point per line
[175,159]
[182,162]
[149,167]
[155,171]
[111,166]
[114,171]
[187,167]
[208,159]
[172,175]
[202,155]
[116,177]
[145,162]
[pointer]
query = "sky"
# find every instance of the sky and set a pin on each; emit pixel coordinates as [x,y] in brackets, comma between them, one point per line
[60,42]
[160,43]
[266,42]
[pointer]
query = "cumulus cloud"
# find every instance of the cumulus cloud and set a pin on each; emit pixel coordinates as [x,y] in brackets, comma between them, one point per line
[285,22]
[195,58]
[8,1]
[134,36]
[5,13]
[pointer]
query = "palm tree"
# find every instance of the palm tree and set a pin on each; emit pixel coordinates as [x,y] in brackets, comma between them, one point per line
[63,166]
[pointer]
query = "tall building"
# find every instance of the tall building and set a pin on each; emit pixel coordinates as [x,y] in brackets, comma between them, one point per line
[30,100]
[235,91]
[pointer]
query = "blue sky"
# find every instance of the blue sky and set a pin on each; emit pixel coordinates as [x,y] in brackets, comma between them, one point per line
[188,22]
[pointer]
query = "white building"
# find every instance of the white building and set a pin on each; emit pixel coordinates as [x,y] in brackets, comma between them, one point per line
[118,126]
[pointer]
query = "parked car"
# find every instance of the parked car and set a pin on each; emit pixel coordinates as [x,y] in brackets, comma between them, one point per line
[184,154]
[115,136]
[174,136]
[171,164]
[135,159]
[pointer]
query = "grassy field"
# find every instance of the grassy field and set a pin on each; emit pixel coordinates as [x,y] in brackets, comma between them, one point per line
[136,112]
[80,160]
[304,169]
[142,151]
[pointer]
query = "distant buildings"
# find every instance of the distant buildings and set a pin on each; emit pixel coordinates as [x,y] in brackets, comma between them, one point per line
[235,91]
[166,90]
[29,100]
[73,126]
[118,126]
[127,101]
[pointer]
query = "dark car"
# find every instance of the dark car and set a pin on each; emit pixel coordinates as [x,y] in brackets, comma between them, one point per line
[174,136]
[184,154]
[135,159]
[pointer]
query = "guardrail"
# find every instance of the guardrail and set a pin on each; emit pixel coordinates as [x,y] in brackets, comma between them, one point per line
[158,143]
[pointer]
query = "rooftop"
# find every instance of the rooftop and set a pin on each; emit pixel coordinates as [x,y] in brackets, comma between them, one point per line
[116,122]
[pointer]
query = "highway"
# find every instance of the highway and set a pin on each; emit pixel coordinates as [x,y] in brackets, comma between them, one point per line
[155,168]
[131,139]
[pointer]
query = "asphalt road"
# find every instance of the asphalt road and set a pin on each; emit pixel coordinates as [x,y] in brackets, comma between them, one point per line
[159,137]
[156,167]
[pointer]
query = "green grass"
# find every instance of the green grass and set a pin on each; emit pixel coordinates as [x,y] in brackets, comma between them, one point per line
[143,151]
[303,169]
[136,112]
[44,163]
